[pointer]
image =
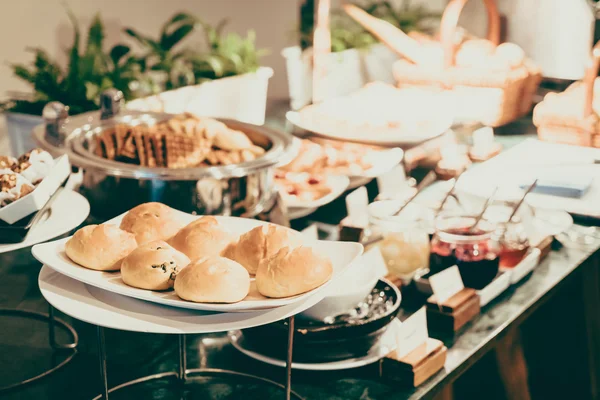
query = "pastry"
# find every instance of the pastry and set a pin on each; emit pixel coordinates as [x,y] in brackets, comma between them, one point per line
[100,247]
[213,280]
[291,272]
[7,162]
[184,141]
[153,266]
[204,237]
[260,243]
[151,221]
[35,165]
[13,186]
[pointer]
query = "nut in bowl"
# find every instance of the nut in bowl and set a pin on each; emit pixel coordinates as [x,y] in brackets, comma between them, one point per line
[226,294]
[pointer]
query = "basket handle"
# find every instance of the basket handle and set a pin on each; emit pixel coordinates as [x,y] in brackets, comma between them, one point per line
[591,72]
[450,21]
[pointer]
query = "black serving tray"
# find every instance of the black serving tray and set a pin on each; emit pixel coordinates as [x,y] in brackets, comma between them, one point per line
[348,336]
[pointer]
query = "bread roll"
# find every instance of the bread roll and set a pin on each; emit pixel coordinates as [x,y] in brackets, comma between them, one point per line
[204,237]
[151,221]
[260,243]
[291,272]
[213,280]
[100,247]
[153,266]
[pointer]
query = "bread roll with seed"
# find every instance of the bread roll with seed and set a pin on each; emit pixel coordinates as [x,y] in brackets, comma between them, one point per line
[153,266]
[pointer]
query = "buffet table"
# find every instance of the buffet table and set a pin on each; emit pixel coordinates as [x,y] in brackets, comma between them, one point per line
[568,277]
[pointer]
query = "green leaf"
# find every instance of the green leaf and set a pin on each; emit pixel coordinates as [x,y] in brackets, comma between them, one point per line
[169,41]
[118,52]
[95,35]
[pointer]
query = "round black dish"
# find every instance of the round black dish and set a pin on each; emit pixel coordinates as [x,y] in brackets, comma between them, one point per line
[350,335]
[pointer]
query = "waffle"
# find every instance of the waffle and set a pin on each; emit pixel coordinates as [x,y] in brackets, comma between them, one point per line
[106,144]
[180,142]
[138,140]
[183,151]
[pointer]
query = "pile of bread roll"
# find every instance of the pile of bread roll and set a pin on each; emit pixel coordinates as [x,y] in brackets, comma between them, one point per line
[203,261]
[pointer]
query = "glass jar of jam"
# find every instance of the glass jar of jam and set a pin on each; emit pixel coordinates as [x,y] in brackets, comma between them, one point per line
[404,242]
[474,250]
[514,242]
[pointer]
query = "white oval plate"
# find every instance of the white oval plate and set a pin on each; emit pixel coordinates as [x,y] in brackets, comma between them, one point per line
[66,213]
[437,126]
[337,183]
[53,255]
[100,307]
[386,345]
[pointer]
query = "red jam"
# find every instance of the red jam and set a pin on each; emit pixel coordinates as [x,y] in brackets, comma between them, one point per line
[476,258]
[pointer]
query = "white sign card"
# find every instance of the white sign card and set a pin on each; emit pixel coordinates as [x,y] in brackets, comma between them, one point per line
[356,205]
[393,183]
[412,333]
[310,233]
[446,284]
[373,259]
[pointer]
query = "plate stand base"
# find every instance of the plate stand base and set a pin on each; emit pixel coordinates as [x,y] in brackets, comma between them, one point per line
[52,322]
[189,377]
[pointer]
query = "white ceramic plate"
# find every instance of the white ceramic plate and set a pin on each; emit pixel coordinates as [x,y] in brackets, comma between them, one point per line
[66,213]
[53,255]
[430,129]
[35,200]
[338,185]
[386,345]
[297,213]
[100,307]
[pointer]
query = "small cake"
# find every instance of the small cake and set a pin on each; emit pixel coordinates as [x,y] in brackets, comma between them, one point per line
[204,237]
[151,221]
[13,186]
[153,266]
[260,243]
[213,280]
[291,272]
[35,165]
[100,247]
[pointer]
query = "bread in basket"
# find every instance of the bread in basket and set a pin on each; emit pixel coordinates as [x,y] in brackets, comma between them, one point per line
[489,82]
[572,117]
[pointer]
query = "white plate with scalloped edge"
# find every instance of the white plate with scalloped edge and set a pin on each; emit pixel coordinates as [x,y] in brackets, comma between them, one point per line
[53,255]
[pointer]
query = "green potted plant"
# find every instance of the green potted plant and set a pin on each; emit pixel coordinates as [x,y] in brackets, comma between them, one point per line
[357,57]
[78,85]
[222,79]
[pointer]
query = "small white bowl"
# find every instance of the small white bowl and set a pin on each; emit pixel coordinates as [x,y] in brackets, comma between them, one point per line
[346,292]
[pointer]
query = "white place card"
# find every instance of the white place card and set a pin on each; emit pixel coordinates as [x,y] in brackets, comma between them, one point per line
[393,183]
[483,139]
[356,205]
[446,284]
[373,259]
[310,233]
[412,333]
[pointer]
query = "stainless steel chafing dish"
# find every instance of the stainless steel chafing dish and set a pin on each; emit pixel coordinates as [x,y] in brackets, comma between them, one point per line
[112,187]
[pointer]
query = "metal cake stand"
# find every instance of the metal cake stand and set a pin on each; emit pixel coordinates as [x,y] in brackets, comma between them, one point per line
[109,310]
[66,212]
[52,322]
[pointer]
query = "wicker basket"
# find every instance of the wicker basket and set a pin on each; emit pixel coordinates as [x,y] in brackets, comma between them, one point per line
[569,117]
[491,96]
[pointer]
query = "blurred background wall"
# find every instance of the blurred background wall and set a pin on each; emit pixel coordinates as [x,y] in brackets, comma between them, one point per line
[539,26]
